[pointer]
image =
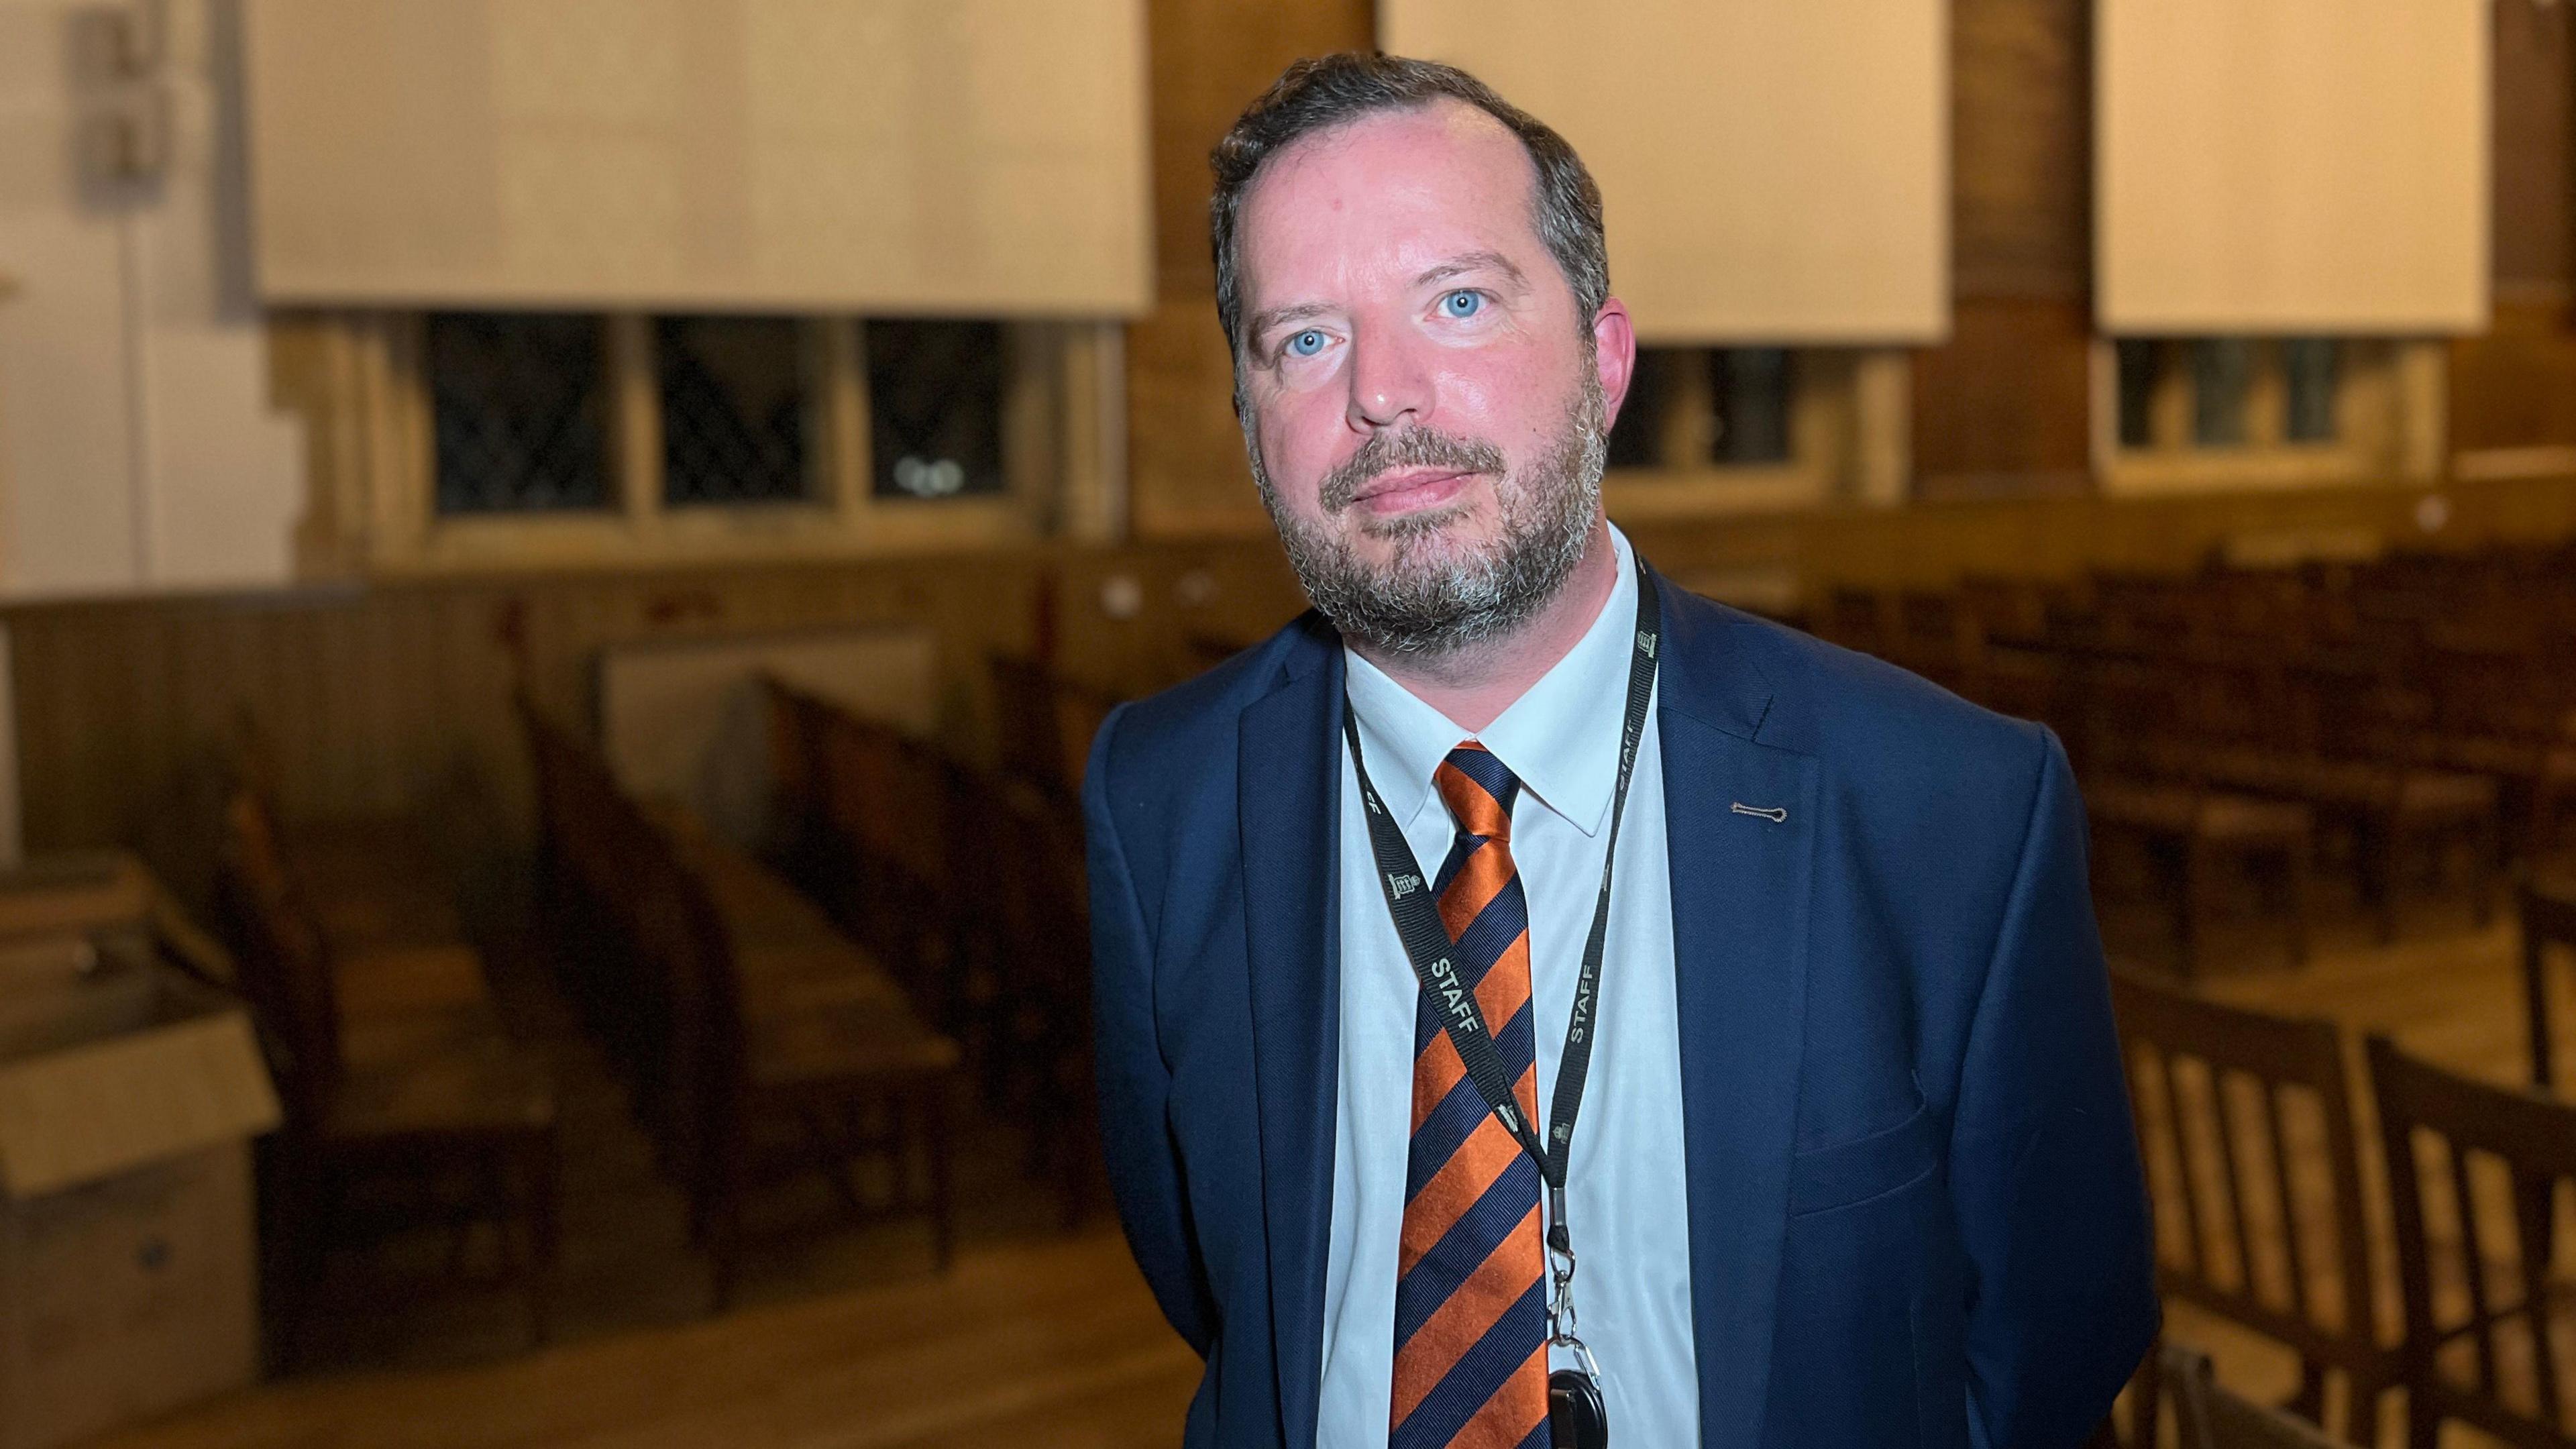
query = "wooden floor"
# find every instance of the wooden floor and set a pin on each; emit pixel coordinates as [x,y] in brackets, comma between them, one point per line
[1052,1343]
[847,1340]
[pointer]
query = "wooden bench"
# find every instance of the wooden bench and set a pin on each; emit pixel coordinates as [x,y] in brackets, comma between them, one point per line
[390,1065]
[758,1016]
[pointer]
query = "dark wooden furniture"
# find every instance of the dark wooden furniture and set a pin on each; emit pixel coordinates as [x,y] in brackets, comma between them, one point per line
[2484,1318]
[2271,1233]
[761,1038]
[420,1088]
[2208,1415]
[1046,722]
[2547,906]
[989,864]
[2191,832]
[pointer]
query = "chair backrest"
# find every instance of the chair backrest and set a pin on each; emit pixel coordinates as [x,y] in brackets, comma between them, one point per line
[795,765]
[1046,722]
[2211,1416]
[2472,1271]
[285,963]
[2246,1120]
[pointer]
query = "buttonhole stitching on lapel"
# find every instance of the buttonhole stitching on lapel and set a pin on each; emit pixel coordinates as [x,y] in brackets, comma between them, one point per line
[1776,814]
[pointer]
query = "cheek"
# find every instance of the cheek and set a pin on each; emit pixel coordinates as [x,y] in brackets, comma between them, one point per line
[1302,439]
[1514,401]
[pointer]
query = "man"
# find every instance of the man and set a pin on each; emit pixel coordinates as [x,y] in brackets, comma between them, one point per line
[1848,1160]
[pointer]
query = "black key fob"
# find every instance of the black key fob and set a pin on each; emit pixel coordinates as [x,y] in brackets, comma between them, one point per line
[1576,1417]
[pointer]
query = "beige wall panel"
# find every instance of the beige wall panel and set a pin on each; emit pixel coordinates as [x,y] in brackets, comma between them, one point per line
[1771,172]
[2292,166]
[983,157]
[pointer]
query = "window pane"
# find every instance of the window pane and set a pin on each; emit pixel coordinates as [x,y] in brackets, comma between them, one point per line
[733,410]
[2308,367]
[1752,388]
[2141,362]
[935,408]
[519,412]
[2222,374]
[1637,437]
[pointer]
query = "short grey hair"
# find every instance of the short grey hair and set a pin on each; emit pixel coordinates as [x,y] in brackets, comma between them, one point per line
[1324,92]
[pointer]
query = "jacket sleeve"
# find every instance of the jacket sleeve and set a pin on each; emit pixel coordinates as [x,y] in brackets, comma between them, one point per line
[2044,1170]
[1134,1082]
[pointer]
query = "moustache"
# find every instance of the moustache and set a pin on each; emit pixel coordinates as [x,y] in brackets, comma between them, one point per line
[1416,447]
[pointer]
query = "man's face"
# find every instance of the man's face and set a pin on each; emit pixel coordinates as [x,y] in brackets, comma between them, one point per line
[1424,409]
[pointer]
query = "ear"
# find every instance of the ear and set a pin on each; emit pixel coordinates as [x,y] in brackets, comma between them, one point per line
[1614,356]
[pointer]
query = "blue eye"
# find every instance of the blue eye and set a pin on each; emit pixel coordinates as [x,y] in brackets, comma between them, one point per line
[1306,343]
[1462,303]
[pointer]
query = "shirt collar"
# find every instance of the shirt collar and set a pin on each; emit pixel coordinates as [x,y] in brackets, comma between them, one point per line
[1561,737]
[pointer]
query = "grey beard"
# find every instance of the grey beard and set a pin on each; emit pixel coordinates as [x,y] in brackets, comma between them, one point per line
[1431,602]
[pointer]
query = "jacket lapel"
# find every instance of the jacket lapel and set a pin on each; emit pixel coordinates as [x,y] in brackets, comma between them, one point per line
[1288,790]
[1740,899]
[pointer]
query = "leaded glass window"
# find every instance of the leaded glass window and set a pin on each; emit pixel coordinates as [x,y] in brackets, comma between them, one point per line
[1698,407]
[1751,391]
[735,410]
[2222,379]
[1637,436]
[2141,366]
[2308,376]
[518,412]
[935,394]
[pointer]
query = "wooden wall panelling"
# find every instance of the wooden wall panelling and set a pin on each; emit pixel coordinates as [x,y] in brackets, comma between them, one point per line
[2535,146]
[2002,406]
[2021,143]
[1207,60]
[398,696]
[2513,391]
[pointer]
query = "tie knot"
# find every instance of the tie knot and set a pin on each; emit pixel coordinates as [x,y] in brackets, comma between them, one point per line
[1479,791]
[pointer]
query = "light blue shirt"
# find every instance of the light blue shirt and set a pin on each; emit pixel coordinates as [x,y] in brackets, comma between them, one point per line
[1625,1196]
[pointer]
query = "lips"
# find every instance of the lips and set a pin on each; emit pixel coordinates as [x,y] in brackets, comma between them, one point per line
[1399,489]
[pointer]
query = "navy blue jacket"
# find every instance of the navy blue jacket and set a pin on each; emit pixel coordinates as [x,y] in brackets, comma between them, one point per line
[1916,1211]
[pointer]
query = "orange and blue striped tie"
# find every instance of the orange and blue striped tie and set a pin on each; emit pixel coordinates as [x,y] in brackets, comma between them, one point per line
[1470,1306]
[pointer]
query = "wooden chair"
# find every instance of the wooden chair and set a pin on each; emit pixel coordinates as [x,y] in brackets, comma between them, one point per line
[2303,1221]
[2191,832]
[1046,722]
[784,1021]
[429,1093]
[2485,1321]
[2210,1416]
[758,1014]
[1045,1031]
[2548,912]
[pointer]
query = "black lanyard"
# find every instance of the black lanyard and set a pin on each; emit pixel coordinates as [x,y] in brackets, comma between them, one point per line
[1428,947]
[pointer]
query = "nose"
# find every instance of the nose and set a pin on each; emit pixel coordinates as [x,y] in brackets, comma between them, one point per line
[1390,386]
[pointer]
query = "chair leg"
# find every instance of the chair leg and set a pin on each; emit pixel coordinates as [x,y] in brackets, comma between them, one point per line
[2488,863]
[2309,1402]
[2374,865]
[2296,870]
[538,1174]
[943,1207]
[2192,905]
[723,1182]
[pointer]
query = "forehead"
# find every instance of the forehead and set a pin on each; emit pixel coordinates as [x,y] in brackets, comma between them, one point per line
[1397,191]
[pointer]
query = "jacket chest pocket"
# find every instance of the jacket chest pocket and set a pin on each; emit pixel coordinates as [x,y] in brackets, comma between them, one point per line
[1849,1173]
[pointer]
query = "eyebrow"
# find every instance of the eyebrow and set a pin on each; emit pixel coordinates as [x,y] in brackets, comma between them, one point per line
[1473,262]
[1269,317]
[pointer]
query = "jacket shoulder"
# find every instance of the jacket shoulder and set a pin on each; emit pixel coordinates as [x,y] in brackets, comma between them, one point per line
[1167,737]
[1859,712]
